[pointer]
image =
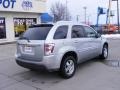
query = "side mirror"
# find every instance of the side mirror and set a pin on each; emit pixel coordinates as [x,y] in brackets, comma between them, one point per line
[98,35]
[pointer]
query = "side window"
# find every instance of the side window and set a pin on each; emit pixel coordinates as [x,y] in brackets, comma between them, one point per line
[77,31]
[61,32]
[89,32]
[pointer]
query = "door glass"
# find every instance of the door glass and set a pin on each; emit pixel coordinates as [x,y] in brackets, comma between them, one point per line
[90,33]
[77,31]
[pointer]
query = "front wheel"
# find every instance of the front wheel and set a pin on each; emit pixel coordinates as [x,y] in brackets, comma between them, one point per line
[68,67]
[104,54]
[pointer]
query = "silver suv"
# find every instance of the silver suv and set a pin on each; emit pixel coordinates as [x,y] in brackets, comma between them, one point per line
[59,47]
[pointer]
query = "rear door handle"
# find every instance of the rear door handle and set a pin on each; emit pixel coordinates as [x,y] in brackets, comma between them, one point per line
[75,41]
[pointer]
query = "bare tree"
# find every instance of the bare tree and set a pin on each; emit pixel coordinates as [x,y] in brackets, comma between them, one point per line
[60,12]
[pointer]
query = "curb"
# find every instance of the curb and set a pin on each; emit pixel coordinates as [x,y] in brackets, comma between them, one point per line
[5,43]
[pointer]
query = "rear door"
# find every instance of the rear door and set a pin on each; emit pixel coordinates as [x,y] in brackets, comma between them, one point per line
[60,38]
[31,43]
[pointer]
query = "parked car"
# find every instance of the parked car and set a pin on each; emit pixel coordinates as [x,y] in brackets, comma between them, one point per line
[59,47]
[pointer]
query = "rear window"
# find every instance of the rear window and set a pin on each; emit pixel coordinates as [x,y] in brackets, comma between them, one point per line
[37,32]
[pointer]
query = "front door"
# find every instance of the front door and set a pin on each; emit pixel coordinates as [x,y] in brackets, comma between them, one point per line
[80,42]
[93,41]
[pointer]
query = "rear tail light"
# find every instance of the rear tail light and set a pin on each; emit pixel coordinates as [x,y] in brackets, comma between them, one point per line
[49,48]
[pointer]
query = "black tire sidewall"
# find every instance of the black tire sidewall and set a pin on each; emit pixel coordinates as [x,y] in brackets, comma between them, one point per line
[105,46]
[62,68]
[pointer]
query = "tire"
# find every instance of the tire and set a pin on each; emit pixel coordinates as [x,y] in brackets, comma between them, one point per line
[104,54]
[68,67]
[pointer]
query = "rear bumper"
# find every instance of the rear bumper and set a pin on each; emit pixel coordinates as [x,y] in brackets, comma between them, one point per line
[49,63]
[30,65]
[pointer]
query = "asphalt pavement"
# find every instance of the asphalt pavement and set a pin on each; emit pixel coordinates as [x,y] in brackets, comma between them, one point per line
[91,75]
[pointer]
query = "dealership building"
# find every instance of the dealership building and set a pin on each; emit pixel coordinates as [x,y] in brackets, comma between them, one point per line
[17,15]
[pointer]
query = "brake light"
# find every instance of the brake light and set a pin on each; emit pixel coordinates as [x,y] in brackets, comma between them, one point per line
[49,48]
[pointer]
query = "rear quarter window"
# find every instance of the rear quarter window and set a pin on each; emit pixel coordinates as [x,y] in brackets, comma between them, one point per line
[61,32]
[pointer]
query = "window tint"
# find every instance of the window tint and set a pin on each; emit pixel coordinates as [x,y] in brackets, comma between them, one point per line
[89,32]
[37,33]
[61,32]
[77,31]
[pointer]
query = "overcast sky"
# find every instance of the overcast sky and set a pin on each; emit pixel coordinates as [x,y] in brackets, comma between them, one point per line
[76,8]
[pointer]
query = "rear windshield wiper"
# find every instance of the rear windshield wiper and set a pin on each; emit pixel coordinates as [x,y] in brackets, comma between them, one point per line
[25,38]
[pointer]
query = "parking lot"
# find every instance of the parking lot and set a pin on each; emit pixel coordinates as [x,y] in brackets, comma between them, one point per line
[91,75]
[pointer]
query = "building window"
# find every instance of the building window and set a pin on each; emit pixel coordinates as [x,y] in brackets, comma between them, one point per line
[22,24]
[2,28]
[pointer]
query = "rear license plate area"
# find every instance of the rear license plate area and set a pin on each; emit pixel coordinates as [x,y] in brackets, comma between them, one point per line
[28,49]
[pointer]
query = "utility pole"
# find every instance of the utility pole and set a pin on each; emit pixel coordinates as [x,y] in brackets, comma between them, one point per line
[118,15]
[85,9]
[109,12]
[66,9]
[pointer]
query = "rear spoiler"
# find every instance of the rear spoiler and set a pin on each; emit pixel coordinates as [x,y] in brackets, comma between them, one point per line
[41,25]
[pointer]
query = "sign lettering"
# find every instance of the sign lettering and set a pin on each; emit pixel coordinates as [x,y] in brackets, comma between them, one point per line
[7,3]
[27,5]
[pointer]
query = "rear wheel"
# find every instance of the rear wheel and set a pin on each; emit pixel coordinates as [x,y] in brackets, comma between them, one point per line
[104,54]
[68,67]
